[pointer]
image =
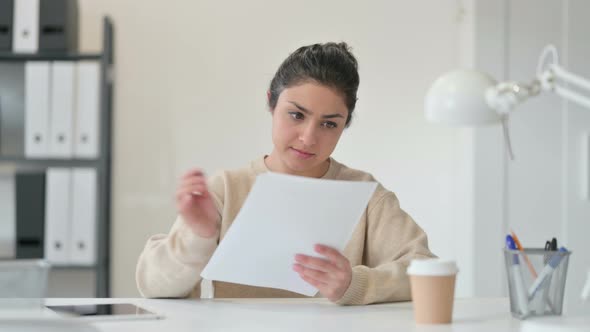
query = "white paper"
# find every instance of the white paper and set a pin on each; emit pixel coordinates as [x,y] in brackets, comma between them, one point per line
[284,215]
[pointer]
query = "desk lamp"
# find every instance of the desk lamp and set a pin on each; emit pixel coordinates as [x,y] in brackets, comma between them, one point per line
[471,98]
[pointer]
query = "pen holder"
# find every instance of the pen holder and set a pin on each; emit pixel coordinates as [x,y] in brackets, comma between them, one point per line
[23,283]
[539,295]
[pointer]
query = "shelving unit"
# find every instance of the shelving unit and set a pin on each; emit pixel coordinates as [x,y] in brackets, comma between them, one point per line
[102,164]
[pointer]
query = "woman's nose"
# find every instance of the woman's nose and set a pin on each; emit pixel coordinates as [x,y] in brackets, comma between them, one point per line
[308,135]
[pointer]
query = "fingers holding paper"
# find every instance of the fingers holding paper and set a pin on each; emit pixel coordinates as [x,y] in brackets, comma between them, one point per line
[331,275]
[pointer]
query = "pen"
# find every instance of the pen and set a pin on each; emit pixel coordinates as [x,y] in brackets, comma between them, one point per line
[550,246]
[520,248]
[519,287]
[546,272]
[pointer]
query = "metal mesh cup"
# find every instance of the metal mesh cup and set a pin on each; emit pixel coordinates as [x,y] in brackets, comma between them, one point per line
[536,281]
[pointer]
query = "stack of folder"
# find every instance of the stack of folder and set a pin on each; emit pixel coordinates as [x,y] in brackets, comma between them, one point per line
[50,214]
[50,110]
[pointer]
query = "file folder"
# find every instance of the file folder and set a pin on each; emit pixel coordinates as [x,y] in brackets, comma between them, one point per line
[12,109]
[83,221]
[87,110]
[57,211]
[7,216]
[6,11]
[25,36]
[58,26]
[62,109]
[30,214]
[37,109]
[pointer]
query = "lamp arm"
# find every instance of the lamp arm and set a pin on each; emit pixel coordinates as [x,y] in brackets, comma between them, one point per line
[573,96]
[571,78]
[506,95]
[549,78]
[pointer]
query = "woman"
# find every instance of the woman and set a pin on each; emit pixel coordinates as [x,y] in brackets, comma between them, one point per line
[311,98]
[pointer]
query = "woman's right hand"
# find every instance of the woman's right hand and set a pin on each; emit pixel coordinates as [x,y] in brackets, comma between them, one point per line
[195,204]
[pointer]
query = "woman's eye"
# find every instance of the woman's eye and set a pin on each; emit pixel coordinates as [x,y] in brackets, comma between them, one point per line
[330,124]
[296,115]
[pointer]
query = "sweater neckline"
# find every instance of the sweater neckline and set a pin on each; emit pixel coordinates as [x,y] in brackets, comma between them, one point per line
[259,166]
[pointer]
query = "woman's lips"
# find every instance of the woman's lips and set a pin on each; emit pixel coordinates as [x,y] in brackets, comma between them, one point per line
[302,154]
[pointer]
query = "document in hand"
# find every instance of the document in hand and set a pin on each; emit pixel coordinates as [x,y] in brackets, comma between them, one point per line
[284,215]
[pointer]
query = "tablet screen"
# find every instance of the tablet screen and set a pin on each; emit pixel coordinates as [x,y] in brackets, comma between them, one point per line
[114,309]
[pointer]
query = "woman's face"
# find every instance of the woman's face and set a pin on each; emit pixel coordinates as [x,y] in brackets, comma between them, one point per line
[307,123]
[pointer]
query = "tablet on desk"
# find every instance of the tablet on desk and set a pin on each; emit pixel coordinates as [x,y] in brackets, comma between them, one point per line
[111,311]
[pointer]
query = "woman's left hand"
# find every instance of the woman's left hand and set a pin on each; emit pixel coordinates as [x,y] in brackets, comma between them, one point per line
[330,275]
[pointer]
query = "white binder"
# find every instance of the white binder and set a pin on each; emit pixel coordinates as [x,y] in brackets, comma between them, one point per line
[25,37]
[62,109]
[37,79]
[7,216]
[83,217]
[87,110]
[57,215]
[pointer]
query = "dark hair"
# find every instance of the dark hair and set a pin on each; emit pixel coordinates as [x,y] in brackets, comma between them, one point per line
[330,64]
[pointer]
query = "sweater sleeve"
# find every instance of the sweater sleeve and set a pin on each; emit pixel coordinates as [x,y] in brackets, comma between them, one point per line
[393,239]
[171,264]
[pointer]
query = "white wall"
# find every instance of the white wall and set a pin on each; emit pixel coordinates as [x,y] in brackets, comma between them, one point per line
[190,90]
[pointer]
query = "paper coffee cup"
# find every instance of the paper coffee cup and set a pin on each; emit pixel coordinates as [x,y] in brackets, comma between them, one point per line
[433,290]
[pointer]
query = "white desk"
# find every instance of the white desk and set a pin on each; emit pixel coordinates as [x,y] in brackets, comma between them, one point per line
[478,315]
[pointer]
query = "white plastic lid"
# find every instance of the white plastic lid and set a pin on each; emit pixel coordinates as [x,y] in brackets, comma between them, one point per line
[432,267]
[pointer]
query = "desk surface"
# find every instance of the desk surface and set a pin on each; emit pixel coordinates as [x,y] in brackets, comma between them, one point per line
[480,315]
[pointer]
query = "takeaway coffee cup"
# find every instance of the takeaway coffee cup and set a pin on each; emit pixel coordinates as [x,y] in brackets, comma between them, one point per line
[433,290]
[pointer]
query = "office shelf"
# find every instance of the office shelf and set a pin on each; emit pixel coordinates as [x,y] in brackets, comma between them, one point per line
[102,164]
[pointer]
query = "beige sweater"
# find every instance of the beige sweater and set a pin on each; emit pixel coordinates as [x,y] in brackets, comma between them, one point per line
[383,243]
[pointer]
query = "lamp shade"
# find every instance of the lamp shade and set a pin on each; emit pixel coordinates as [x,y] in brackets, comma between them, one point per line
[459,98]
